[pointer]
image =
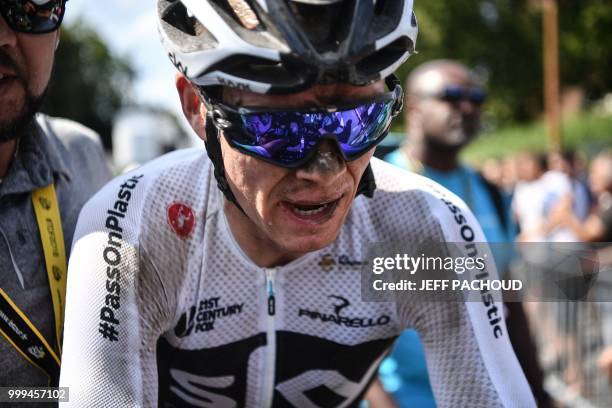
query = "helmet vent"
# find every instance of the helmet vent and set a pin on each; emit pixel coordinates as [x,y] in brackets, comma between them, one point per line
[239,12]
[244,13]
[322,22]
[385,57]
[379,6]
[177,15]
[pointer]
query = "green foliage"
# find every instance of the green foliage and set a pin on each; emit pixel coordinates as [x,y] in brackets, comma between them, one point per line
[586,55]
[89,84]
[589,133]
[502,39]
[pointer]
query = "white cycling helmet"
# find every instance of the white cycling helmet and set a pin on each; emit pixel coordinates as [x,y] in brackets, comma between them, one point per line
[283,46]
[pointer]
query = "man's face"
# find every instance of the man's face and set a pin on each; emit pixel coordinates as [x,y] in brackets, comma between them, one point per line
[446,122]
[26,61]
[297,210]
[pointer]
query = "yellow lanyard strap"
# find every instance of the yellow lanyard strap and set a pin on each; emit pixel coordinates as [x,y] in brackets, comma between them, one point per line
[26,339]
[52,238]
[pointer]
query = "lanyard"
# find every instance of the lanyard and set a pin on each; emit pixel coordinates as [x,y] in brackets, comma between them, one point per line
[52,238]
[15,326]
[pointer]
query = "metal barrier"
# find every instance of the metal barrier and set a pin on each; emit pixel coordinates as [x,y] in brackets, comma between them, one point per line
[570,337]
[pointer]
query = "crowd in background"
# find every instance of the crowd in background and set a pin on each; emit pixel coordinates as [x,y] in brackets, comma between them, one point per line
[556,198]
[553,195]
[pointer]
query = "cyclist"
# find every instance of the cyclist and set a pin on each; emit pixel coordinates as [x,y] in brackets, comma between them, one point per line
[234,279]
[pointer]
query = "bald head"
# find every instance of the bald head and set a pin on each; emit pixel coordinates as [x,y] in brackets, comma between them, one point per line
[430,78]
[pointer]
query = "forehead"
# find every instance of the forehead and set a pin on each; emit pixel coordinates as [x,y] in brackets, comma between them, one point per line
[319,95]
[435,79]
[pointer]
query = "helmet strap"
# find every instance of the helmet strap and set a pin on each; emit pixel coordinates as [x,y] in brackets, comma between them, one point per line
[367,184]
[213,149]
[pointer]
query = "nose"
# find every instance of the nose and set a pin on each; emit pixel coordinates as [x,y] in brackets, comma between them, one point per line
[8,38]
[325,168]
[468,107]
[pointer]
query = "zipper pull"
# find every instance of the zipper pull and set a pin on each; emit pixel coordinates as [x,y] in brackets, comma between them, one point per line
[270,285]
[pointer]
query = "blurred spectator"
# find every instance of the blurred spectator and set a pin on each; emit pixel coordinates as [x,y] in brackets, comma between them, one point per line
[527,200]
[537,193]
[509,174]
[492,171]
[443,102]
[598,226]
[567,162]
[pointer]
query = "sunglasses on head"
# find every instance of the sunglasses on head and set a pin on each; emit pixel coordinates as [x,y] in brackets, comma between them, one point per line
[289,137]
[457,93]
[33,16]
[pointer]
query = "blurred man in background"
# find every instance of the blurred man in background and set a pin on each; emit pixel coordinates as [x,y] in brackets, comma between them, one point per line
[443,109]
[48,169]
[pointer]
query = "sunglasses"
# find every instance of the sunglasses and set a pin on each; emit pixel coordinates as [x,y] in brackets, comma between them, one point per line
[289,138]
[33,16]
[456,93]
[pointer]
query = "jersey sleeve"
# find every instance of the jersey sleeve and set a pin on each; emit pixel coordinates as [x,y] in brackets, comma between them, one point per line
[469,356]
[109,334]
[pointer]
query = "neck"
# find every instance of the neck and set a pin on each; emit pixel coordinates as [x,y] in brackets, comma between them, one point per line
[254,243]
[437,157]
[7,151]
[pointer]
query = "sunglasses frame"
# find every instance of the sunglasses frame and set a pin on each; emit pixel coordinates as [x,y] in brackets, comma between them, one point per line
[467,94]
[221,114]
[19,30]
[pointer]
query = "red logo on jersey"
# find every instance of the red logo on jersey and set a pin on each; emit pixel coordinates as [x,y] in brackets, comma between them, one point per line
[182,219]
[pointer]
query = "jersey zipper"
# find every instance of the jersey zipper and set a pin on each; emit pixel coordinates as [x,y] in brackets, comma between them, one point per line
[271,338]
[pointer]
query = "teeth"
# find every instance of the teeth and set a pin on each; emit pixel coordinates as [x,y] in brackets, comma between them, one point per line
[311,212]
[1,76]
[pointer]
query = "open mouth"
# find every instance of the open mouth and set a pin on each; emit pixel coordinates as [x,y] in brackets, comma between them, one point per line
[7,79]
[313,212]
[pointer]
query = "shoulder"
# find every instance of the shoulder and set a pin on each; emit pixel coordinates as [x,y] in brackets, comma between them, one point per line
[409,206]
[76,149]
[181,176]
[175,169]
[74,136]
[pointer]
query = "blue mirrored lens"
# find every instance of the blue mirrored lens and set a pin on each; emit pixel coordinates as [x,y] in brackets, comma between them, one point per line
[289,137]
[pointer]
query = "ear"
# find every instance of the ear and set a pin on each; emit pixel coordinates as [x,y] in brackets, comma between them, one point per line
[193,108]
[413,116]
[411,103]
[410,109]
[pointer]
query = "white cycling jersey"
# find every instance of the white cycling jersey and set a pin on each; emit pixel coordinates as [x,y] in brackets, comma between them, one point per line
[165,309]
